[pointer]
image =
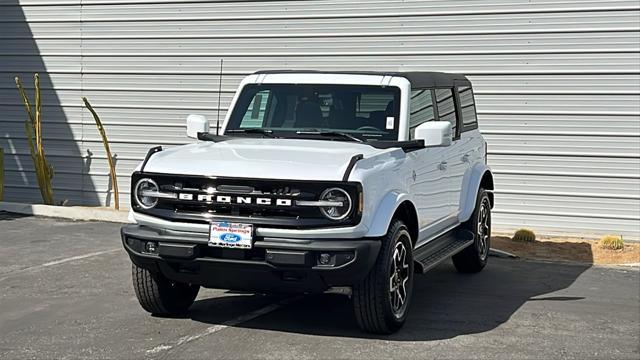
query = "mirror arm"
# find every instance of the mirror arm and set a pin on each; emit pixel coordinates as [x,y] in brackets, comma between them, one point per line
[207,136]
[413,145]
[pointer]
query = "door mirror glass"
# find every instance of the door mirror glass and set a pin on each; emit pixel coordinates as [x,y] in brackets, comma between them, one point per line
[434,133]
[196,124]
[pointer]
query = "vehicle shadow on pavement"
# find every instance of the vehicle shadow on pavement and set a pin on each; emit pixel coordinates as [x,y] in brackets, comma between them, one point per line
[11,216]
[445,304]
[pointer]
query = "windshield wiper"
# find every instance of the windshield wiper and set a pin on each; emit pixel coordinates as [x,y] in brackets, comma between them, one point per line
[329,133]
[265,132]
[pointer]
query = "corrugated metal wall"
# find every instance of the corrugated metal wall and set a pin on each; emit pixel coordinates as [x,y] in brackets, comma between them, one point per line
[557,86]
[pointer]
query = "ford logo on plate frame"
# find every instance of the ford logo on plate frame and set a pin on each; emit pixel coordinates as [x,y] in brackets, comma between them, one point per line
[230,238]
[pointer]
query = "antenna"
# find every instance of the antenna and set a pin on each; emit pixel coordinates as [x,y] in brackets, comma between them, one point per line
[219,92]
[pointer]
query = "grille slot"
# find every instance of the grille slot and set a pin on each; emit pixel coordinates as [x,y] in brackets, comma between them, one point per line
[235,189]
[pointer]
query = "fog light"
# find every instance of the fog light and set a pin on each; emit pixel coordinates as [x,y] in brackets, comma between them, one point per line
[150,247]
[325,259]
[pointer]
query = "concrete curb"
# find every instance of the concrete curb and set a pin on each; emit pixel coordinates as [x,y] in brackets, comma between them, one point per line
[632,266]
[67,212]
[502,254]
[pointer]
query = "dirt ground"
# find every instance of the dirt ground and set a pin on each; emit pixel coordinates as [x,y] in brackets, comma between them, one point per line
[568,249]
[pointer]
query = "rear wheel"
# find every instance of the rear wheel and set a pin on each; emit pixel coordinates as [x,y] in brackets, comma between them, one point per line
[381,301]
[474,258]
[160,296]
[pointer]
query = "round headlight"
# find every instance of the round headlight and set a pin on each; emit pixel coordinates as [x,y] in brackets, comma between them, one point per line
[336,195]
[145,186]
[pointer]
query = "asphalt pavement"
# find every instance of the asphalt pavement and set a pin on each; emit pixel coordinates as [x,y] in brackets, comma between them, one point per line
[65,292]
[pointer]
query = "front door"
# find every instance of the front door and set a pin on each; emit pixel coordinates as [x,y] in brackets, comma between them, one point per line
[430,189]
[429,183]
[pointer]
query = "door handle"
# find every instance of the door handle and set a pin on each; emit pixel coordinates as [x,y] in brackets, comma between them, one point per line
[443,165]
[465,158]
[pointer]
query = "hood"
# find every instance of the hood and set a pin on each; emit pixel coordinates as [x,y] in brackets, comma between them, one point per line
[294,159]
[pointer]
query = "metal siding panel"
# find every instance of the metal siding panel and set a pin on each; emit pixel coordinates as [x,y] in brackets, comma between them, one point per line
[12,12]
[372,45]
[608,63]
[604,167]
[578,146]
[23,39]
[331,9]
[362,28]
[556,82]
[63,81]
[559,124]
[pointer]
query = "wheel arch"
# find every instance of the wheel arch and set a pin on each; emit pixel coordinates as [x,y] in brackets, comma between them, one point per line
[479,176]
[487,183]
[395,205]
[406,212]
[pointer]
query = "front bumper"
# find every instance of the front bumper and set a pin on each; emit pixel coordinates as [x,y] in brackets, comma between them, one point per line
[273,265]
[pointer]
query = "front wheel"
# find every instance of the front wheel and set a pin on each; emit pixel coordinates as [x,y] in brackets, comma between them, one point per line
[474,258]
[160,296]
[381,301]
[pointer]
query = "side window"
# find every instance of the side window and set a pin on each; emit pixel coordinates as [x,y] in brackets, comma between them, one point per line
[447,108]
[467,107]
[421,110]
[257,112]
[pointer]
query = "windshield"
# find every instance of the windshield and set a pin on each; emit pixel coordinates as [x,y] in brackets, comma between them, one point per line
[305,110]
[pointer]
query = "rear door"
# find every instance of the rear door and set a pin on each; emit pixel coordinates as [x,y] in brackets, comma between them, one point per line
[472,144]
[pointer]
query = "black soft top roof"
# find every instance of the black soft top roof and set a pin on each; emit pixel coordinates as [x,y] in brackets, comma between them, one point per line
[418,79]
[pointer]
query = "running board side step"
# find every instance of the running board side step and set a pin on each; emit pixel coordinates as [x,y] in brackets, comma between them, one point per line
[437,250]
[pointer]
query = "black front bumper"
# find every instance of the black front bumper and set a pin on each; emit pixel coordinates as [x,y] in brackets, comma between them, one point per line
[273,265]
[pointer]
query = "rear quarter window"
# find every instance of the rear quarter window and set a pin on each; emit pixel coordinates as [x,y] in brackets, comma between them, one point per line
[467,108]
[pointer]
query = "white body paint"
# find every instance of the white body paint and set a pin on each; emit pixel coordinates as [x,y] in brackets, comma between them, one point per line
[443,196]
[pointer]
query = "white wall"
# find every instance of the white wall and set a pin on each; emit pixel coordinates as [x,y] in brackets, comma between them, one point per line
[557,86]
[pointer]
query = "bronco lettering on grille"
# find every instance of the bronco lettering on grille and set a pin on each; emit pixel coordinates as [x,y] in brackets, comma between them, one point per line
[226,199]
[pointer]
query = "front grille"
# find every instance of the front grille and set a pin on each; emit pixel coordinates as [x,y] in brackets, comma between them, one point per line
[259,201]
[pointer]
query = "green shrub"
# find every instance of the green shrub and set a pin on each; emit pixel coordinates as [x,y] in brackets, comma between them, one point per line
[612,242]
[525,235]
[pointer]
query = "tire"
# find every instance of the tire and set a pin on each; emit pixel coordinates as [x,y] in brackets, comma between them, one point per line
[159,296]
[378,309]
[474,258]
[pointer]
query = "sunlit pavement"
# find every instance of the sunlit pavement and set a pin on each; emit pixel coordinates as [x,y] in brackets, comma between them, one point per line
[65,291]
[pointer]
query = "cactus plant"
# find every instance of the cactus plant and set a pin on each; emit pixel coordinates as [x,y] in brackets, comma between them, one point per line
[525,235]
[612,242]
[105,142]
[33,130]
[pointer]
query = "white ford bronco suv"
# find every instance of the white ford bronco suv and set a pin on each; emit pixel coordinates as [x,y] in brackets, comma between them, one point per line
[347,182]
